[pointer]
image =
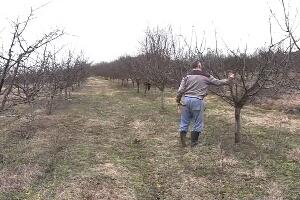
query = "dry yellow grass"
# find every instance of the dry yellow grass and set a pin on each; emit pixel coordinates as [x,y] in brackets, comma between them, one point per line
[108,142]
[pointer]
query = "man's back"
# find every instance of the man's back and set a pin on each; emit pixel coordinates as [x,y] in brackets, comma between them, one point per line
[196,83]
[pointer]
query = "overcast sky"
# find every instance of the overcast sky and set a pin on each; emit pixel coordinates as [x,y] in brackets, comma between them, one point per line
[107,29]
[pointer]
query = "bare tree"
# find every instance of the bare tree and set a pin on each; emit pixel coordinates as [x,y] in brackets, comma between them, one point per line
[30,80]
[287,24]
[256,74]
[63,75]
[18,52]
[137,71]
[158,47]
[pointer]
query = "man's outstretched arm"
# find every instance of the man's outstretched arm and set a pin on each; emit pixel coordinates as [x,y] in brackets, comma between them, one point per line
[212,80]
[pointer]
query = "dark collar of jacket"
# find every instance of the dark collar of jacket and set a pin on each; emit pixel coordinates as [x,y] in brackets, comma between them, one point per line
[198,72]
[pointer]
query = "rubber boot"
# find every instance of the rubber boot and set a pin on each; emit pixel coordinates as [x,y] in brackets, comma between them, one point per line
[183,138]
[194,138]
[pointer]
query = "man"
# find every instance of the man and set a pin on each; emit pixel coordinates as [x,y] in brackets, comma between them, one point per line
[194,87]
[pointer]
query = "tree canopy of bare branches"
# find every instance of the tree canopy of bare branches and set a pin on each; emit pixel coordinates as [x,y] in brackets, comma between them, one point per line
[18,54]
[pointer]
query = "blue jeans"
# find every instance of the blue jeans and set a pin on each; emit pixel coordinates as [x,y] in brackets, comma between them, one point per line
[192,111]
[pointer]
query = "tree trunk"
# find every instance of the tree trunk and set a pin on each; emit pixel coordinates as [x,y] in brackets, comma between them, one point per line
[66,93]
[60,92]
[138,86]
[5,96]
[10,86]
[50,105]
[145,89]
[28,98]
[19,92]
[237,134]
[162,98]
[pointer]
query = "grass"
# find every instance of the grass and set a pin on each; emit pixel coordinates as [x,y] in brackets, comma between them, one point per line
[109,142]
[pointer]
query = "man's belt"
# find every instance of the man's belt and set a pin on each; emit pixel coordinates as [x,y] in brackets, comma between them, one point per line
[199,97]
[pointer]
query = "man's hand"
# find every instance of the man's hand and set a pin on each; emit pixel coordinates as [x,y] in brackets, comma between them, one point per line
[179,104]
[178,109]
[231,76]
